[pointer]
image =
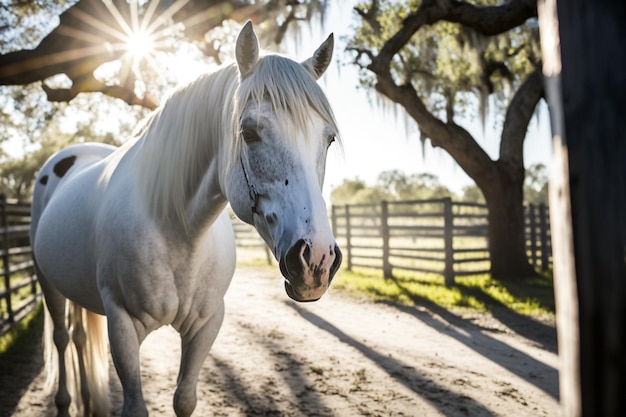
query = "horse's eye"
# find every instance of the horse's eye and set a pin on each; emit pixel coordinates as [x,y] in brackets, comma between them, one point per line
[331,139]
[250,135]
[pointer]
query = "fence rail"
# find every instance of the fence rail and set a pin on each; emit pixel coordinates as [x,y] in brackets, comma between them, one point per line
[433,236]
[19,292]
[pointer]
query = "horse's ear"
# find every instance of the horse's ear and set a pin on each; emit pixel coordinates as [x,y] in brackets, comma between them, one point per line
[246,50]
[320,60]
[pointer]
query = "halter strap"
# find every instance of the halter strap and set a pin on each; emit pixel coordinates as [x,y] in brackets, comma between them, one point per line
[254,196]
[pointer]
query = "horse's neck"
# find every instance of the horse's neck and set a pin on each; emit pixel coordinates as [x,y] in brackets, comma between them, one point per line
[208,201]
[181,154]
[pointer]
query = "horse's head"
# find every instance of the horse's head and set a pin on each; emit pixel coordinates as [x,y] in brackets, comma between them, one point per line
[284,127]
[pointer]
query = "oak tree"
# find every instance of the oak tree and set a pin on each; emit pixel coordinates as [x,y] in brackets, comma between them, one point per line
[439,59]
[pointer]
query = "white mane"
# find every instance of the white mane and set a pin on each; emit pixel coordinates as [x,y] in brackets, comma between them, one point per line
[200,122]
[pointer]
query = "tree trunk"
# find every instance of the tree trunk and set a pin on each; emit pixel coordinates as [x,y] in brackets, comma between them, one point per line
[502,180]
[505,202]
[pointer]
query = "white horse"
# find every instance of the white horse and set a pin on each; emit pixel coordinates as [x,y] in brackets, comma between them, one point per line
[139,233]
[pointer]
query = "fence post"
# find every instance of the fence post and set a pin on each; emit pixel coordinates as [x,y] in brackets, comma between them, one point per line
[384,228]
[448,230]
[532,220]
[6,271]
[543,230]
[348,243]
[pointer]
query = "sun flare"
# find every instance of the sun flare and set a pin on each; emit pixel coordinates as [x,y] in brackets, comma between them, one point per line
[139,44]
[141,36]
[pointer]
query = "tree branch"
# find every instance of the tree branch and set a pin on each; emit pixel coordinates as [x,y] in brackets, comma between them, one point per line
[518,117]
[115,91]
[454,139]
[82,42]
[457,141]
[370,15]
[282,29]
[359,53]
[63,50]
[490,68]
[490,20]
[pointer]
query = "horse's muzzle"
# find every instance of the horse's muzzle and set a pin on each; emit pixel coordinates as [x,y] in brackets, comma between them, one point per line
[308,273]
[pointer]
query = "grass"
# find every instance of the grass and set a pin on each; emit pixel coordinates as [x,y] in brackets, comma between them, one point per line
[480,293]
[532,296]
[20,362]
[18,344]
[254,257]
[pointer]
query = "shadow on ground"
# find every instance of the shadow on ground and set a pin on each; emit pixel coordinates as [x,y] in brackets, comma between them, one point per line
[540,333]
[21,363]
[402,372]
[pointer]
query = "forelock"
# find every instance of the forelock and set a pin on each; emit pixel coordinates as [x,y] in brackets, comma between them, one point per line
[289,87]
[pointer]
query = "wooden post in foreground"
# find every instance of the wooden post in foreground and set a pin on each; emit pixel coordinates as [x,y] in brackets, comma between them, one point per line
[584,58]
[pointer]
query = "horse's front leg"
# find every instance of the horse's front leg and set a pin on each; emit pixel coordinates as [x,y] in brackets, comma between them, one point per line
[195,348]
[125,336]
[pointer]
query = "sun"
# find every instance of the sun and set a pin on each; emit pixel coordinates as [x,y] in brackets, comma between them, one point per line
[139,44]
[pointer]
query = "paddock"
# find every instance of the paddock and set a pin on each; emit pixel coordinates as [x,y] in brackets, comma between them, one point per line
[341,356]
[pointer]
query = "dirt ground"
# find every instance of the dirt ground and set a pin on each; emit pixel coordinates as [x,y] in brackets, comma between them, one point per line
[341,357]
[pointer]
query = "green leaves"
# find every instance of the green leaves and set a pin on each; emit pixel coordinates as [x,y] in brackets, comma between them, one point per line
[391,185]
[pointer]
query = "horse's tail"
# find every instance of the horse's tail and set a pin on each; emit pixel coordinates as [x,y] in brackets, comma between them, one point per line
[86,360]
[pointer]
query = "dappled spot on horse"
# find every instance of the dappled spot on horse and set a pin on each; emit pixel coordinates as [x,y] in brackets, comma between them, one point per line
[61,167]
[43,180]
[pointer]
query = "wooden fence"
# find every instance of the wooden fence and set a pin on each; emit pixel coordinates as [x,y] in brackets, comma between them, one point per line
[249,242]
[538,237]
[433,236]
[19,292]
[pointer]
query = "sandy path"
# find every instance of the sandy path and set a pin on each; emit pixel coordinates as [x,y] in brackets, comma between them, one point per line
[347,357]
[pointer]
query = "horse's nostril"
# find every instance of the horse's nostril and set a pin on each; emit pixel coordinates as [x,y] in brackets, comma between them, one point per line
[336,263]
[306,253]
[291,266]
[298,257]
